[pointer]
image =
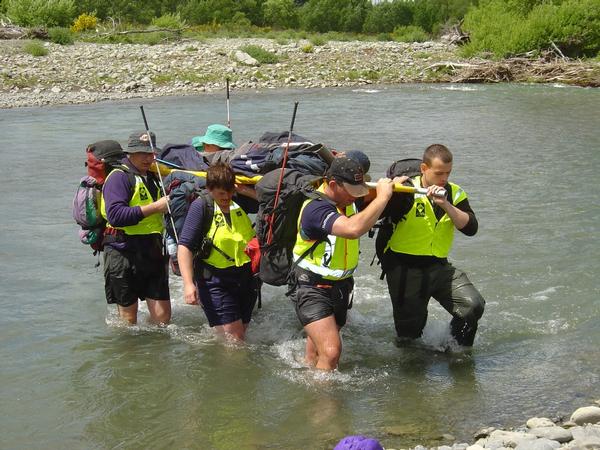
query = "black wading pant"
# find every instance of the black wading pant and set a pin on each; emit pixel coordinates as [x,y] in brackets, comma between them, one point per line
[411,288]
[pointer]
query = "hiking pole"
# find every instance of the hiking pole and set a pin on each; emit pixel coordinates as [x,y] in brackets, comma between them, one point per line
[228,117]
[162,186]
[408,189]
[285,154]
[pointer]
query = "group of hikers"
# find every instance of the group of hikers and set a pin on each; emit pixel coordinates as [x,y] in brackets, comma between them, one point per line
[216,266]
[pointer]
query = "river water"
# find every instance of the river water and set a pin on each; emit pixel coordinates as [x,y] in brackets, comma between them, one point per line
[528,156]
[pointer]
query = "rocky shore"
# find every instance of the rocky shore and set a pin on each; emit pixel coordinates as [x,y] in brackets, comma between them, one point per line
[580,432]
[88,72]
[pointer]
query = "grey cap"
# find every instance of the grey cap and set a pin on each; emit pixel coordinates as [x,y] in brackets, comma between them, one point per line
[139,143]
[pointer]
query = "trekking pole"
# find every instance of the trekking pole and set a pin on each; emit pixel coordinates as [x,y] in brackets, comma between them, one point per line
[285,154]
[228,117]
[162,186]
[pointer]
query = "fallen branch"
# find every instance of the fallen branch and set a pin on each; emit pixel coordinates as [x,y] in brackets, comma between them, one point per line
[166,30]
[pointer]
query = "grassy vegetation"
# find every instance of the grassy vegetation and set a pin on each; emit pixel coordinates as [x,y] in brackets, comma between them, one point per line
[35,48]
[260,54]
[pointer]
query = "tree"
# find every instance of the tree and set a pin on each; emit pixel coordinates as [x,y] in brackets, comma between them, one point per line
[334,15]
[280,13]
[386,16]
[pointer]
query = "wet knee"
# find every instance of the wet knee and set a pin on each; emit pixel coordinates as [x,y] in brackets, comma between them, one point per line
[475,310]
[331,355]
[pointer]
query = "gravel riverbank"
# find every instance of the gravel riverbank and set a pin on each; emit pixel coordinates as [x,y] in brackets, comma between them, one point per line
[87,72]
[580,432]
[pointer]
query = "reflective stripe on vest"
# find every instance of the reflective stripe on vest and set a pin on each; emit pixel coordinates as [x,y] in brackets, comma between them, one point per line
[333,260]
[232,239]
[421,233]
[141,197]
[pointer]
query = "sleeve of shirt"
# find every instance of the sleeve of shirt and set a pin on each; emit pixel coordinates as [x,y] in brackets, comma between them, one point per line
[470,229]
[117,193]
[191,231]
[317,219]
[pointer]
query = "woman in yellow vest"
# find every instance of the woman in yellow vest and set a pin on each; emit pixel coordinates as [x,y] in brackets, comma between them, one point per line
[416,258]
[326,256]
[134,260]
[214,267]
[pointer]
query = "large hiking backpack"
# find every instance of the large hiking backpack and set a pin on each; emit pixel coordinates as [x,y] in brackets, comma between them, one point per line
[102,157]
[277,249]
[399,204]
[183,155]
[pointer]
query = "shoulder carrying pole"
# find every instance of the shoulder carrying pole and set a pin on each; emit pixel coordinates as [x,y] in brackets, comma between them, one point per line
[162,186]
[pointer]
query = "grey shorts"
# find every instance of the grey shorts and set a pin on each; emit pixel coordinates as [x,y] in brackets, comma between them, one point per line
[323,299]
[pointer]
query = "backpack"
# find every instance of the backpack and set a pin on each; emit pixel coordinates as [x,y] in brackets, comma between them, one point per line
[183,155]
[183,188]
[102,157]
[276,260]
[398,206]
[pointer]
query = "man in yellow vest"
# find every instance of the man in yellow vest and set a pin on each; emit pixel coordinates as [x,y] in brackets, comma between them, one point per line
[326,256]
[416,257]
[135,265]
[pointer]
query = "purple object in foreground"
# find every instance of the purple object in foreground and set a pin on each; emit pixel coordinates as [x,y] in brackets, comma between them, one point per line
[358,443]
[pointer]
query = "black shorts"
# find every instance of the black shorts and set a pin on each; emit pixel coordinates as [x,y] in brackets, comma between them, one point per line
[130,275]
[323,299]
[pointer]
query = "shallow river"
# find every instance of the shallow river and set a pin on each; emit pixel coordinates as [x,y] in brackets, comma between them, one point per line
[529,158]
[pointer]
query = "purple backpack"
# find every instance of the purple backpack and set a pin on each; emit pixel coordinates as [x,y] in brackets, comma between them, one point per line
[86,212]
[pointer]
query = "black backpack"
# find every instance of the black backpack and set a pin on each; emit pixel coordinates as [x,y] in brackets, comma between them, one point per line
[399,204]
[277,246]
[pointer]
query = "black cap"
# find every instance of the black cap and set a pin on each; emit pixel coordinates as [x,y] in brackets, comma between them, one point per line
[351,174]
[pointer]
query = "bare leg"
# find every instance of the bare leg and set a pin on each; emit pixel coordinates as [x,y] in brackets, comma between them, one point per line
[160,311]
[235,330]
[129,313]
[310,354]
[325,336]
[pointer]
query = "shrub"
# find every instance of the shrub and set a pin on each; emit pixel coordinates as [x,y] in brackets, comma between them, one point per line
[260,54]
[171,21]
[317,40]
[35,48]
[307,48]
[84,22]
[60,35]
[410,33]
[47,13]
[505,30]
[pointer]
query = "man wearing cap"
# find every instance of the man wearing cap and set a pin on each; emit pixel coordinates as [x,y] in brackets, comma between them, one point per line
[326,256]
[135,266]
[217,138]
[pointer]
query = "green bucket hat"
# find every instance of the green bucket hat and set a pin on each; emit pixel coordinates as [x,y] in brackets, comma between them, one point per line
[215,134]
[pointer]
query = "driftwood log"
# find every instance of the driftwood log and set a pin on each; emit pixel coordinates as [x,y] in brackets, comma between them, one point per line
[16,32]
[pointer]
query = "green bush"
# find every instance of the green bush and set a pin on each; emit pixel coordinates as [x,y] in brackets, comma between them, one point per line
[260,54]
[35,48]
[410,33]
[318,40]
[47,13]
[307,48]
[503,29]
[171,21]
[334,15]
[60,35]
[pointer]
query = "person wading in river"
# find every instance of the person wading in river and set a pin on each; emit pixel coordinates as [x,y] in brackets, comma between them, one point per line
[416,257]
[135,265]
[326,256]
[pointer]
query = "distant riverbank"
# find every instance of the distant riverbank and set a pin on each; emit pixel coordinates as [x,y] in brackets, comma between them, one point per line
[87,72]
